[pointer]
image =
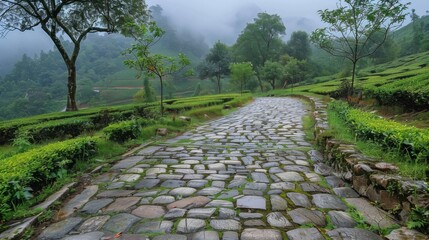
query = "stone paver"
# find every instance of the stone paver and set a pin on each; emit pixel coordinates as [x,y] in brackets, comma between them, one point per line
[261,234]
[371,214]
[250,175]
[304,234]
[352,234]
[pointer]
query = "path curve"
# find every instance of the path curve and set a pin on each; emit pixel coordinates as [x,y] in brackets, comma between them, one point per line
[245,176]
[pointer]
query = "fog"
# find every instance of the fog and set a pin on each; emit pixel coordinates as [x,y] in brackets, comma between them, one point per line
[15,44]
[214,20]
[224,19]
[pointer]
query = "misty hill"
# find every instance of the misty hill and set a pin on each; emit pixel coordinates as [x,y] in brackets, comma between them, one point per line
[403,82]
[37,84]
[411,43]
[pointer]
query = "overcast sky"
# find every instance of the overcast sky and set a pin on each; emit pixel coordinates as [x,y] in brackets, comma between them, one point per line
[213,19]
[219,19]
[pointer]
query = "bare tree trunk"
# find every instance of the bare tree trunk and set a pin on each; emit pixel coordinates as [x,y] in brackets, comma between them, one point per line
[162,95]
[218,84]
[351,90]
[260,82]
[285,83]
[71,86]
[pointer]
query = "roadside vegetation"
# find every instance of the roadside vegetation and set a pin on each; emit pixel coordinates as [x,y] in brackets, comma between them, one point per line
[44,152]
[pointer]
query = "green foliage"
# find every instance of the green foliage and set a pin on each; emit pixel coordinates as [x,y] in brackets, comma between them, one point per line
[294,70]
[123,131]
[197,90]
[178,106]
[273,73]
[414,37]
[206,112]
[29,171]
[37,85]
[403,82]
[353,27]
[419,219]
[410,141]
[261,40]
[143,60]
[54,125]
[216,63]
[240,101]
[241,75]
[72,127]
[22,141]
[71,20]
[149,93]
[344,133]
[299,45]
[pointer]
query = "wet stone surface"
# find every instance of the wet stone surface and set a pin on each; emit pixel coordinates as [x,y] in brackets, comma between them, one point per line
[247,176]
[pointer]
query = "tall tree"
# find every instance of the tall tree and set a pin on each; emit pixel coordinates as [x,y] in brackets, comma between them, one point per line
[294,70]
[273,73]
[241,74]
[143,60]
[70,20]
[353,25]
[417,32]
[216,63]
[260,41]
[299,45]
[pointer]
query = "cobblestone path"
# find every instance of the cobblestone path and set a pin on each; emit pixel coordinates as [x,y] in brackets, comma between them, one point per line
[250,175]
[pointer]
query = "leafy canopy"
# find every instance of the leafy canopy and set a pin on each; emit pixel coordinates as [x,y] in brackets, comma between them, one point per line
[216,63]
[143,60]
[261,40]
[70,20]
[353,27]
[272,72]
[241,74]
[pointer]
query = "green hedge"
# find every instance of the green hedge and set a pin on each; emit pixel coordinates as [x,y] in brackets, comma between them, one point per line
[100,118]
[54,125]
[409,140]
[57,129]
[38,167]
[184,106]
[122,131]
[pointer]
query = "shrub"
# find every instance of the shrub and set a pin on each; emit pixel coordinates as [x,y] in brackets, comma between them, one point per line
[31,170]
[201,113]
[409,140]
[240,101]
[100,117]
[123,131]
[56,129]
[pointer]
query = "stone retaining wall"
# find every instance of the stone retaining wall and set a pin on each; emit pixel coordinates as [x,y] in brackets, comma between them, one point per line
[378,181]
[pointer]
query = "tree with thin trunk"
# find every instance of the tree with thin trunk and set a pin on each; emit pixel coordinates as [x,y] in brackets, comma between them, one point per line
[143,60]
[353,28]
[217,63]
[69,20]
[241,74]
[273,73]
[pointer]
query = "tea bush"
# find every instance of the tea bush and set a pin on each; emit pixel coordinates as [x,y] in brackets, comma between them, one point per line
[32,170]
[409,140]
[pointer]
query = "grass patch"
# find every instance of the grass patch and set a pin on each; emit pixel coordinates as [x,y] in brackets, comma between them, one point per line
[206,113]
[407,167]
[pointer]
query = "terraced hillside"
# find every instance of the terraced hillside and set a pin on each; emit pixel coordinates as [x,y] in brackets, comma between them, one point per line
[404,82]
